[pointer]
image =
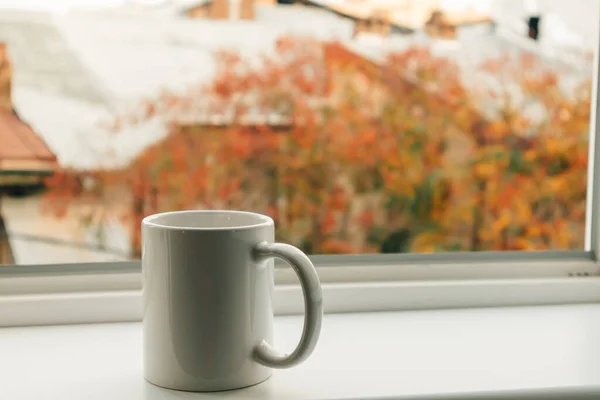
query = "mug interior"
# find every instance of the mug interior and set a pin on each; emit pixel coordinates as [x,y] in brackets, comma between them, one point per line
[207,219]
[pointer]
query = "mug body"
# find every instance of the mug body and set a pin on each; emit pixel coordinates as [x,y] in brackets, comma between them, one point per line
[207,302]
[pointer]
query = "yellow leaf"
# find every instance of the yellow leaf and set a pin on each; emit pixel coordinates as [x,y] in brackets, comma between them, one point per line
[501,223]
[523,211]
[553,146]
[524,244]
[557,184]
[484,170]
[534,231]
[530,155]
[426,242]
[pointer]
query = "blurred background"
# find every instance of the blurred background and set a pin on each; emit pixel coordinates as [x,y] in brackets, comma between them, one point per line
[360,126]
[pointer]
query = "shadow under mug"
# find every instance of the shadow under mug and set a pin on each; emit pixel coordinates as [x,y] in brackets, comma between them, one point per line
[207,297]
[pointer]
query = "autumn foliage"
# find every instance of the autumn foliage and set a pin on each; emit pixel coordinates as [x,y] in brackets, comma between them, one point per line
[349,156]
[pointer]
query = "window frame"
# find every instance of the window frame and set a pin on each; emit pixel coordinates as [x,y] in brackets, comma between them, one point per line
[592,224]
[111,291]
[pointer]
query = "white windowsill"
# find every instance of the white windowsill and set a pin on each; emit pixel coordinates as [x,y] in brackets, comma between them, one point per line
[545,352]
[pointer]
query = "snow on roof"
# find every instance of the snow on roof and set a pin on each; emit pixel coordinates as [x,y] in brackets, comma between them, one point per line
[86,65]
[74,70]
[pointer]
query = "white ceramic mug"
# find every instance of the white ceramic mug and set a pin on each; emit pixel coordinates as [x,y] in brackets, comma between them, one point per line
[208,290]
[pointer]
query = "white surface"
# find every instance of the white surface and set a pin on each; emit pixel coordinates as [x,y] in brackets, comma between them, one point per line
[120,305]
[550,352]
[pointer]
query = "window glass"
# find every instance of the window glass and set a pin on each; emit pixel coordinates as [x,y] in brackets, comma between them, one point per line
[360,126]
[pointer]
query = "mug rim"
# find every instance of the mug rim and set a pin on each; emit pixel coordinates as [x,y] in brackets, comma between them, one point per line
[149,220]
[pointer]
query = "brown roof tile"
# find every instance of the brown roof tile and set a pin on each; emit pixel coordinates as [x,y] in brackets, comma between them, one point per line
[18,142]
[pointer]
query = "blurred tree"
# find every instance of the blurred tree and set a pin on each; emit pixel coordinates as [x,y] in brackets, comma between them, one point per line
[351,157]
[530,160]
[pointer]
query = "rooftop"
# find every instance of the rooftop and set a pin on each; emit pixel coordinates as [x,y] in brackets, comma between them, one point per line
[20,144]
[42,57]
[403,14]
[21,149]
[75,70]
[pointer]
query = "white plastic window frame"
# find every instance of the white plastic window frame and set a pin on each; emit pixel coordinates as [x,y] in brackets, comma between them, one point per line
[111,292]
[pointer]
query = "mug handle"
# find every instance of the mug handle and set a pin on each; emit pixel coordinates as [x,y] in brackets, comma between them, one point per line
[264,353]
